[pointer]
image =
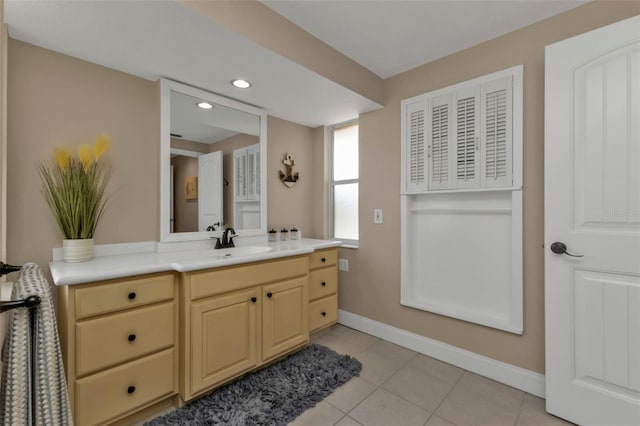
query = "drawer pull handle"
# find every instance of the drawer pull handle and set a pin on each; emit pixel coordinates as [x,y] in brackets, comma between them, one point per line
[269,295]
[323,260]
[323,284]
[324,314]
[131,389]
[132,295]
[131,337]
[254,299]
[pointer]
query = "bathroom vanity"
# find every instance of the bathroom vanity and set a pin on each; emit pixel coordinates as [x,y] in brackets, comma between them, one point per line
[141,331]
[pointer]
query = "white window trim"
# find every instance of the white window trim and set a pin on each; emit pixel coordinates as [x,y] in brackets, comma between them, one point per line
[346,243]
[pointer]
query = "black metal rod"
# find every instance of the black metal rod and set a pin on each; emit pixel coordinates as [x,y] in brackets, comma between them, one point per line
[7,269]
[29,302]
[33,327]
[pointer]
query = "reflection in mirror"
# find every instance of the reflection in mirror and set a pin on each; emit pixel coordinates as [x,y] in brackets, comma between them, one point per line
[212,172]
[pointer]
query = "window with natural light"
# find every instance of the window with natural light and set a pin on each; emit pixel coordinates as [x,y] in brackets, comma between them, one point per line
[344,183]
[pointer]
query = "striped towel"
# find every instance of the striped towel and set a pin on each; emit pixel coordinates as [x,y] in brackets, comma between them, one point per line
[49,387]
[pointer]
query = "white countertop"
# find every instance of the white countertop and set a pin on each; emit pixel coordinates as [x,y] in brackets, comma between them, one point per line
[156,258]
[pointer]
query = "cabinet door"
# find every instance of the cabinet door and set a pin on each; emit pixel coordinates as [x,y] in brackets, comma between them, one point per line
[284,316]
[224,336]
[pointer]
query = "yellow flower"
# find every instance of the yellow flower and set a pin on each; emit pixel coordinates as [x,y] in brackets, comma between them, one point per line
[101,145]
[85,154]
[62,157]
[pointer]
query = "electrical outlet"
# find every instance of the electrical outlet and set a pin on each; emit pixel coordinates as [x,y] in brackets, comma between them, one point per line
[377,215]
[343,265]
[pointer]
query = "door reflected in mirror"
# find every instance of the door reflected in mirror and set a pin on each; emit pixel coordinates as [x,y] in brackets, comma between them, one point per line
[215,173]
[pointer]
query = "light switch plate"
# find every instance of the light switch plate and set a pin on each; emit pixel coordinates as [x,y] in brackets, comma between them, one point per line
[377,215]
[343,265]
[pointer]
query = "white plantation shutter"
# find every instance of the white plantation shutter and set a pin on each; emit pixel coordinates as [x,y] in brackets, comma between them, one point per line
[467,143]
[464,137]
[439,150]
[416,147]
[251,177]
[497,133]
[256,183]
[240,166]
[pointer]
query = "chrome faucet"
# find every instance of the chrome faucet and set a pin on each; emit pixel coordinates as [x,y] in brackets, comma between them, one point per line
[226,241]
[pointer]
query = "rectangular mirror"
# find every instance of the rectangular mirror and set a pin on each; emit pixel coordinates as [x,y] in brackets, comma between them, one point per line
[212,165]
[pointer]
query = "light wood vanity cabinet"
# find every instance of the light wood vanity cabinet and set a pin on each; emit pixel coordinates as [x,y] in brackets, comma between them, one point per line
[118,343]
[323,288]
[135,344]
[237,318]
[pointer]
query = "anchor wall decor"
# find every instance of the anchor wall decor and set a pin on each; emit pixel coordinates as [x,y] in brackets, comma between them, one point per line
[289,178]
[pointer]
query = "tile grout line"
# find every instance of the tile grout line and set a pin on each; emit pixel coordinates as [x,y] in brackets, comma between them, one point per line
[445,397]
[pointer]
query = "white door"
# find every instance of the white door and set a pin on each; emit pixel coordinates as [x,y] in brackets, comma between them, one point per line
[209,190]
[592,205]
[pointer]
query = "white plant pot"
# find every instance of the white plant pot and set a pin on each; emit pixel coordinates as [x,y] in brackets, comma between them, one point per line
[77,250]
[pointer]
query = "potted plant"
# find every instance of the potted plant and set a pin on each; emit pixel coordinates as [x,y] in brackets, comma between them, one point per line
[74,188]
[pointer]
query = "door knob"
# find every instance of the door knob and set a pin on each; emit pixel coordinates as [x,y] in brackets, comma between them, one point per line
[561,248]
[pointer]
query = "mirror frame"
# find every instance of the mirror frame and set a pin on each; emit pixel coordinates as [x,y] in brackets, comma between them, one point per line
[166,87]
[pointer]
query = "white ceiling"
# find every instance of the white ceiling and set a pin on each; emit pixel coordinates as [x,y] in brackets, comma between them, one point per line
[393,36]
[153,39]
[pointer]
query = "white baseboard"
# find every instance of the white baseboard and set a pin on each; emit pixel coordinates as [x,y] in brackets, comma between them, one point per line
[517,377]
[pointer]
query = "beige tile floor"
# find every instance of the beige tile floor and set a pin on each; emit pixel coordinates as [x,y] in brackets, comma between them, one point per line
[399,387]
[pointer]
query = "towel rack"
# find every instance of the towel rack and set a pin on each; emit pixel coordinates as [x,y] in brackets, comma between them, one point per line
[29,302]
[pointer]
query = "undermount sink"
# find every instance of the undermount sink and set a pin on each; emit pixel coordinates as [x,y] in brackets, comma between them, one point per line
[238,251]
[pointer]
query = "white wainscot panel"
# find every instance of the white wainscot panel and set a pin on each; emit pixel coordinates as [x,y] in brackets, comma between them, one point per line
[461,257]
[607,338]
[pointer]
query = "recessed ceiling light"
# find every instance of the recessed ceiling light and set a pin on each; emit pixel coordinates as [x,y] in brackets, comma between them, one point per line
[205,105]
[241,84]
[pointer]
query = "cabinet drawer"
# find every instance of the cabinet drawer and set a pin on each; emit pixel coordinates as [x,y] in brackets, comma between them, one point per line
[114,392]
[102,299]
[323,282]
[322,258]
[108,341]
[236,278]
[323,312]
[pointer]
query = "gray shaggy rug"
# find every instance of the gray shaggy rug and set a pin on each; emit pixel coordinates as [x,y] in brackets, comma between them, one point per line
[275,395]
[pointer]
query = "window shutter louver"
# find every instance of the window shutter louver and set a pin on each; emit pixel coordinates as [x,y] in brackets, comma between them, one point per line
[416,165]
[439,150]
[497,134]
[256,156]
[467,139]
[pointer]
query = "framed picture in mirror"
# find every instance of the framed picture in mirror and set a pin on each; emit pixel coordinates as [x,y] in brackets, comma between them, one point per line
[191,188]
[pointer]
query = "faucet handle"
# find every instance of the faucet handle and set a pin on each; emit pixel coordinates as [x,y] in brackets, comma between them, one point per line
[218,242]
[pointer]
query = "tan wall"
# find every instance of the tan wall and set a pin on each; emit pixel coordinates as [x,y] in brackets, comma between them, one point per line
[185,211]
[189,145]
[55,100]
[289,207]
[372,287]
[321,144]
